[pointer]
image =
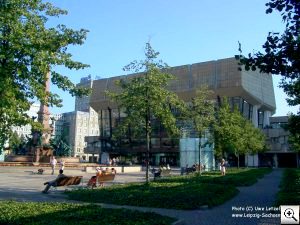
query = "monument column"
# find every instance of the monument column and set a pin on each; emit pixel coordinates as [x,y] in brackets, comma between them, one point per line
[43,137]
[44,115]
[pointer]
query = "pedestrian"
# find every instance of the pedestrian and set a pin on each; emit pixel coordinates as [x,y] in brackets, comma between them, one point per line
[62,164]
[223,167]
[53,163]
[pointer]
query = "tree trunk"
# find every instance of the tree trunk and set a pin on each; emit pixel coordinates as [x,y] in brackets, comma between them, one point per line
[147,143]
[238,156]
[200,153]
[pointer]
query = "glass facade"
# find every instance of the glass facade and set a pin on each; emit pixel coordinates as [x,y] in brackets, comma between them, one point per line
[249,91]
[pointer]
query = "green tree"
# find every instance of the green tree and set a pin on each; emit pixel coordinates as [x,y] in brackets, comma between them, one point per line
[281,56]
[235,134]
[60,146]
[14,142]
[17,144]
[293,127]
[253,140]
[201,113]
[144,98]
[225,130]
[29,50]
[229,131]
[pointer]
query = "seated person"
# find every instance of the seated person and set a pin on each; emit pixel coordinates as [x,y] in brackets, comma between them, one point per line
[156,173]
[161,168]
[53,182]
[113,171]
[93,181]
[168,167]
[194,168]
[153,170]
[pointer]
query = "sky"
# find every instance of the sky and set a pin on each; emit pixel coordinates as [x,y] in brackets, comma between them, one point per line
[183,31]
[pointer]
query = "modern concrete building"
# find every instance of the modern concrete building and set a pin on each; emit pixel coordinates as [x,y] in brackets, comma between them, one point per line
[280,154]
[252,92]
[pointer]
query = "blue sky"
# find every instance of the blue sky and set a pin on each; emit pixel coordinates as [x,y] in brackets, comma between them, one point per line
[184,32]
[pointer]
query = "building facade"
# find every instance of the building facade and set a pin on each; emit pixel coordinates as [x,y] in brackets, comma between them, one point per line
[252,92]
[280,153]
[25,130]
[78,124]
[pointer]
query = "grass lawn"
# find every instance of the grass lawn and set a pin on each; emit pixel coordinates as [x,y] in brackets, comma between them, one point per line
[18,213]
[177,192]
[289,193]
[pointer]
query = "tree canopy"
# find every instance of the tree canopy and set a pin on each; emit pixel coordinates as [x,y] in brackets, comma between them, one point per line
[60,146]
[29,49]
[144,98]
[281,56]
[235,134]
[201,114]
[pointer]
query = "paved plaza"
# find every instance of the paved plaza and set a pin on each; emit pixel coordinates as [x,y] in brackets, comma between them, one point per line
[18,183]
[21,184]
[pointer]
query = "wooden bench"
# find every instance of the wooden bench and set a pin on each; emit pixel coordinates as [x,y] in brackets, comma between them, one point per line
[160,173]
[66,181]
[195,168]
[190,170]
[105,177]
[165,172]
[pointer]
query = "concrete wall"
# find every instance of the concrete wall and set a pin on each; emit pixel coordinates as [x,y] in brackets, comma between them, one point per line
[19,158]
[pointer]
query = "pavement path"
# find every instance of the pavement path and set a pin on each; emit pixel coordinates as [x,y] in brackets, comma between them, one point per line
[19,184]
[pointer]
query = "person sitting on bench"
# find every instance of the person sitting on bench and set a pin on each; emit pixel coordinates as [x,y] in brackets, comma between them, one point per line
[53,182]
[93,180]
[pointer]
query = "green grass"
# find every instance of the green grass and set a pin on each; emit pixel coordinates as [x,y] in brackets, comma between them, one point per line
[18,213]
[176,192]
[235,177]
[289,193]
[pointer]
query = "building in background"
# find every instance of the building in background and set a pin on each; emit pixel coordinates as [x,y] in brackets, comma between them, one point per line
[78,124]
[252,92]
[72,126]
[280,153]
[58,121]
[25,131]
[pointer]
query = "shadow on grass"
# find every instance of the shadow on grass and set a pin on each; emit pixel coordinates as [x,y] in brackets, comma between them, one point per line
[160,195]
[176,192]
[17,213]
[235,177]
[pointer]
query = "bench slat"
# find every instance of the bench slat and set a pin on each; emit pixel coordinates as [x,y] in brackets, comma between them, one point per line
[106,177]
[66,181]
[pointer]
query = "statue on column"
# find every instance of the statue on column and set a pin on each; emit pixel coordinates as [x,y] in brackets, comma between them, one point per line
[41,139]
